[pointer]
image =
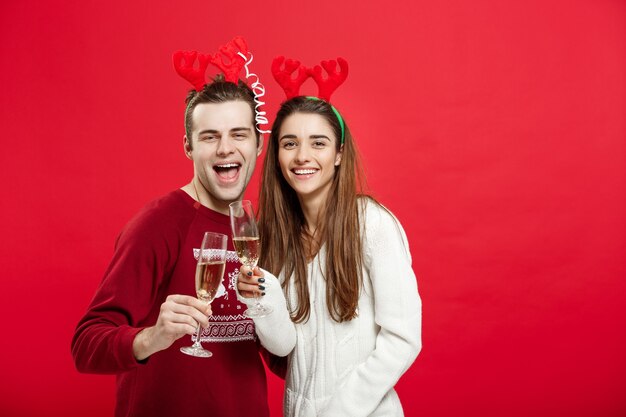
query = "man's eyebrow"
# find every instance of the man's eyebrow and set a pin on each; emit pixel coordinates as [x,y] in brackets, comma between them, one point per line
[240,129]
[211,131]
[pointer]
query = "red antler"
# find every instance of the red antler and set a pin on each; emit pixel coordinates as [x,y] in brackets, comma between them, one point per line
[284,76]
[335,78]
[235,61]
[184,62]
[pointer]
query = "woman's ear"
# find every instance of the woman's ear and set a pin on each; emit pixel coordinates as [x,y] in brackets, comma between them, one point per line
[338,157]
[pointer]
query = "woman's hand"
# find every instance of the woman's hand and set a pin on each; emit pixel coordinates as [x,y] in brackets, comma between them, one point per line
[251,282]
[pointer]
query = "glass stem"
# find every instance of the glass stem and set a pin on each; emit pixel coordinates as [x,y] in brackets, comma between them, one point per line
[257,296]
[197,344]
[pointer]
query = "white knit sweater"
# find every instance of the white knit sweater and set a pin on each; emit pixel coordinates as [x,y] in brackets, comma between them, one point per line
[350,369]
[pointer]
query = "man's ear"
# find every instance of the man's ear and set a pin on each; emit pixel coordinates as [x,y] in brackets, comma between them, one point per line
[187,147]
[259,147]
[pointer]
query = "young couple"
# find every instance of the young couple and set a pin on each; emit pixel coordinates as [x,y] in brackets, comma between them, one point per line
[346,320]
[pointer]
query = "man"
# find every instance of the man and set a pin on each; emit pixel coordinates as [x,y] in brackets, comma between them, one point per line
[144,306]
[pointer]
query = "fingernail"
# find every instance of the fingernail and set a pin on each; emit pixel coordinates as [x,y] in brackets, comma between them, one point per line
[262,294]
[261,280]
[249,273]
[261,287]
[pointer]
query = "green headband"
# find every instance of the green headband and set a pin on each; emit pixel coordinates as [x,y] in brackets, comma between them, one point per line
[343,128]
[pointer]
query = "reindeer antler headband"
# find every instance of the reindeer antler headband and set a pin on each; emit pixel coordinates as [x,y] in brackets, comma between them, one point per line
[236,52]
[284,69]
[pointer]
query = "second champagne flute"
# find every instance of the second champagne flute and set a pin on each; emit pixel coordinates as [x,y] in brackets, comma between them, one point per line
[247,245]
[209,275]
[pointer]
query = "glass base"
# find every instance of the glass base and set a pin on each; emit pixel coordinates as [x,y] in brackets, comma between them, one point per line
[198,352]
[258,311]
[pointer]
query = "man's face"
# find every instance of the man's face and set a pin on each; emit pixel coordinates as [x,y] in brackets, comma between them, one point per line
[224,150]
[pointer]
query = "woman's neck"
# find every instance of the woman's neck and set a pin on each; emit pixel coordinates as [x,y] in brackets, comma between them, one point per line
[311,209]
[310,237]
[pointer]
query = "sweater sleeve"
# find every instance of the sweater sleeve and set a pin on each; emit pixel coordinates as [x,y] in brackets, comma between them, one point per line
[397,313]
[276,330]
[103,338]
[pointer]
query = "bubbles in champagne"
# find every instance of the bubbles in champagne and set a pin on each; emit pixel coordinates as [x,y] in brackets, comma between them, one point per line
[247,250]
[209,275]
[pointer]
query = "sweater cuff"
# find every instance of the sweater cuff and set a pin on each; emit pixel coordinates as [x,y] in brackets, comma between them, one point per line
[125,337]
[276,331]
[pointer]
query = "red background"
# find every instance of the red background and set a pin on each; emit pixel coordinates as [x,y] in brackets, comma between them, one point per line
[493,129]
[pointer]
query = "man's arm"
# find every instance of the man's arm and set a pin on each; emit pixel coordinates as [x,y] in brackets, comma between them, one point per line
[116,330]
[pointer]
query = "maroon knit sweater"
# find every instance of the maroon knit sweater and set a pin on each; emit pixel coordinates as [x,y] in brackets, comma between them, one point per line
[154,257]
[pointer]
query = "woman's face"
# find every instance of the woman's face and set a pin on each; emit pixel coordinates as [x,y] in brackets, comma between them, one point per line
[307,154]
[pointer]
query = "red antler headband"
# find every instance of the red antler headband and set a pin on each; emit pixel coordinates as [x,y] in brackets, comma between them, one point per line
[283,74]
[184,63]
[326,86]
[236,52]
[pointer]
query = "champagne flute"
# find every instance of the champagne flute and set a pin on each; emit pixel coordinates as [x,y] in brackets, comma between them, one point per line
[246,241]
[209,275]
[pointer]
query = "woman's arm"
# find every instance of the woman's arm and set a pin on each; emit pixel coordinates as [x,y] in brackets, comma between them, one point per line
[276,330]
[397,312]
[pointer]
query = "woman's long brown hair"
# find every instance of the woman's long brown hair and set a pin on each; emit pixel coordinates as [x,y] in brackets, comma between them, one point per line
[286,245]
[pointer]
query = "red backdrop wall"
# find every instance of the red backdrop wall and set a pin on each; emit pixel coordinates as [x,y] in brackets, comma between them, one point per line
[493,129]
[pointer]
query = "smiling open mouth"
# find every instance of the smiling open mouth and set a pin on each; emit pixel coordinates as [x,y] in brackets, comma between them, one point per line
[304,171]
[227,171]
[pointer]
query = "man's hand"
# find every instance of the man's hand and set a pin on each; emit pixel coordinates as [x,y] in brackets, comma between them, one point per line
[251,282]
[179,315]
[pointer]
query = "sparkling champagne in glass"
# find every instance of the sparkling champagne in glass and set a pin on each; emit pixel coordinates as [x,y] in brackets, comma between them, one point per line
[247,245]
[209,275]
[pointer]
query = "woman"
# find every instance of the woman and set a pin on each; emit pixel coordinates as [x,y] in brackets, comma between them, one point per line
[344,265]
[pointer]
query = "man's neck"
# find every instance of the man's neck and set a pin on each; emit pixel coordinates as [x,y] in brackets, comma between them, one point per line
[198,193]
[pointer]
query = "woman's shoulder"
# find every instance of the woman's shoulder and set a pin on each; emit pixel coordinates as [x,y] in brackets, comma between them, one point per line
[374,215]
[380,228]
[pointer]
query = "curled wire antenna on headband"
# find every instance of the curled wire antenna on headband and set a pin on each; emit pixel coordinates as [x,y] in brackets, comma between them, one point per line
[231,58]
